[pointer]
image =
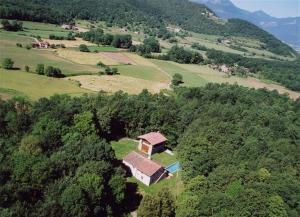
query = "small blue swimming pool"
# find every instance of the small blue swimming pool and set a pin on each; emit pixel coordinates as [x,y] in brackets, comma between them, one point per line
[173,168]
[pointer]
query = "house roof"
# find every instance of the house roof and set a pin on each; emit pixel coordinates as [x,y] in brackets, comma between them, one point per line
[154,138]
[141,163]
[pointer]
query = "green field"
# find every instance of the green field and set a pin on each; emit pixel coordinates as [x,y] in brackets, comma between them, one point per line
[15,83]
[32,57]
[144,72]
[190,79]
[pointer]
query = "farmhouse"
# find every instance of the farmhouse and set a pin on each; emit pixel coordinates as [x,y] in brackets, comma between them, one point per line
[151,143]
[40,44]
[144,169]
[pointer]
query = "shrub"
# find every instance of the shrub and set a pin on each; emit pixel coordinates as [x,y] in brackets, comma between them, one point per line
[101,64]
[28,46]
[7,63]
[19,45]
[83,48]
[40,69]
[177,79]
[27,69]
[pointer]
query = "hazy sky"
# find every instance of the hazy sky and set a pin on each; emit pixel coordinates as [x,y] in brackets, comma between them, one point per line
[277,8]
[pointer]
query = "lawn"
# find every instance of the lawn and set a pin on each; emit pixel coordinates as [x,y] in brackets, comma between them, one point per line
[164,159]
[35,86]
[124,147]
[174,184]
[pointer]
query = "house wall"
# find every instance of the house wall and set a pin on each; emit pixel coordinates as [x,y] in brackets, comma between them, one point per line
[144,142]
[138,174]
[157,175]
[158,148]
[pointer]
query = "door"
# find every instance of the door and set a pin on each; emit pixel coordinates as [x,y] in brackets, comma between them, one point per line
[145,148]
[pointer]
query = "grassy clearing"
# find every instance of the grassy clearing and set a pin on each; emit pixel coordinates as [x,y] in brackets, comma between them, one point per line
[9,93]
[143,72]
[102,48]
[36,86]
[124,147]
[111,84]
[164,159]
[190,79]
[85,58]
[174,184]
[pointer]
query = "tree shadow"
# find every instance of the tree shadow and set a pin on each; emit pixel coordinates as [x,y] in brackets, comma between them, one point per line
[133,197]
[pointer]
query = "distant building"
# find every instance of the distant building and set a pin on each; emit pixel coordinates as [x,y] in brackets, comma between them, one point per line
[151,143]
[40,44]
[144,169]
[69,27]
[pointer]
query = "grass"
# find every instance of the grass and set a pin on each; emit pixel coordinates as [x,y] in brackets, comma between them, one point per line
[36,86]
[143,72]
[164,159]
[174,184]
[111,84]
[124,147]
[32,57]
[190,79]
[102,48]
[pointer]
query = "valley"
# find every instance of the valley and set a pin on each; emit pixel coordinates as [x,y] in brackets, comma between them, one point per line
[136,72]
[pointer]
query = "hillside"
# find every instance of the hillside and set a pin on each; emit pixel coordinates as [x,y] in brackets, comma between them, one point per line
[153,14]
[286,29]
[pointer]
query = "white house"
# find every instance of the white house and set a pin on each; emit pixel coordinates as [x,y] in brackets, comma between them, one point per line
[151,143]
[144,169]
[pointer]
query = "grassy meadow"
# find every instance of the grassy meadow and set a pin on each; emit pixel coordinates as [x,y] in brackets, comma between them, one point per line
[16,83]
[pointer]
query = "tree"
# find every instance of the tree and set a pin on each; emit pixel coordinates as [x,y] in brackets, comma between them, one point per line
[153,44]
[160,205]
[177,79]
[74,202]
[27,68]
[7,63]
[40,69]
[83,48]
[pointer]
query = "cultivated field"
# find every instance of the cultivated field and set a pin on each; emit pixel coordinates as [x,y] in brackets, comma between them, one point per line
[115,83]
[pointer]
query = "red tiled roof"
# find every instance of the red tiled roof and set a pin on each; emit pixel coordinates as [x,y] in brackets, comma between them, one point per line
[141,163]
[154,138]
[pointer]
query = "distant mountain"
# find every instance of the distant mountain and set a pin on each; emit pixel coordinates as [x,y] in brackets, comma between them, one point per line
[286,29]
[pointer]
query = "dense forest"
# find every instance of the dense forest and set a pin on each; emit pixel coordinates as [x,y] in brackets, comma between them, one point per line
[239,150]
[151,15]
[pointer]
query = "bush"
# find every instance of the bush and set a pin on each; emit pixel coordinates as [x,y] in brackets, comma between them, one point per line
[28,46]
[13,26]
[40,69]
[27,69]
[53,72]
[7,63]
[101,64]
[177,79]
[19,45]
[83,48]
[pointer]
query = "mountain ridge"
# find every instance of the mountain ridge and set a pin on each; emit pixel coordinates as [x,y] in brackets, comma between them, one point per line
[286,29]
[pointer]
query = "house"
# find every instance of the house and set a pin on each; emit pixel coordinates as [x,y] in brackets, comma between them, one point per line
[69,27]
[40,44]
[151,143]
[144,169]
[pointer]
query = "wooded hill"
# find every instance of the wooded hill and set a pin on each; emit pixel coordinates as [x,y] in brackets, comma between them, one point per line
[239,151]
[152,15]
